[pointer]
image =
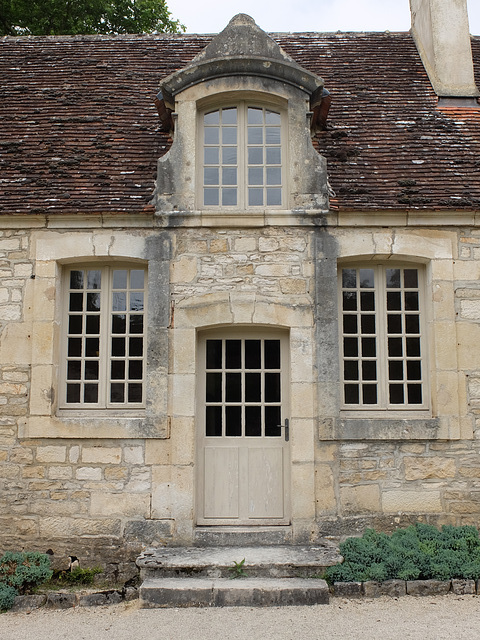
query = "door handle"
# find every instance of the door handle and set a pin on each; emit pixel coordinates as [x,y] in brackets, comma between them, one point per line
[286,426]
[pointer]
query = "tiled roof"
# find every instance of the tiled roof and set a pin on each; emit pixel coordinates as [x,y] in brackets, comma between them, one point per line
[79,130]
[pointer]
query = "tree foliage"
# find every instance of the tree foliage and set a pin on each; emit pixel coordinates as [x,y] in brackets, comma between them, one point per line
[72,17]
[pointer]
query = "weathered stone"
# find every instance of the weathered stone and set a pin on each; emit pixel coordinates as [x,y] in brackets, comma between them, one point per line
[61,600]
[348,589]
[463,587]
[426,468]
[100,599]
[28,603]
[428,587]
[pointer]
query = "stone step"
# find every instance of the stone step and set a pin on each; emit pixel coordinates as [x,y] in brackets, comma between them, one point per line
[219,562]
[242,536]
[221,592]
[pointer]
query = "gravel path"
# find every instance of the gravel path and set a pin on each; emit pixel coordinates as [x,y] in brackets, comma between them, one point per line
[428,618]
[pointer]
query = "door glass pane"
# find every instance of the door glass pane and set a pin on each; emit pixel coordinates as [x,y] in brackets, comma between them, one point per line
[213,391]
[213,421]
[253,421]
[233,354]
[272,387]
[252,354]
[252,387]
[120,279]
[273,427]
[272,354]
[233,391]
[214,354]
[233,419]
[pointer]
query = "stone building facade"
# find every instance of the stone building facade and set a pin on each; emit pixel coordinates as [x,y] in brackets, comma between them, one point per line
[181,365]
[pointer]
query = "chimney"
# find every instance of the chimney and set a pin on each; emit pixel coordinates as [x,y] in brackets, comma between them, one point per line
[441,32]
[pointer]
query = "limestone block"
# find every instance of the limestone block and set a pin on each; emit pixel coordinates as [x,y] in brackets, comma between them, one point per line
[10,312]
[360,499]
[272,270]
[21,455]
[267,244]
[183,347]
[122,504]
[466,270]
[41,390]
[51,453]
[301,400]
[9,244]
[426,468]
[161,492]
[218,245]
[74,454]
[470,310]
[60,473]
[293,285]
[139,481]
[446,393]
[42,342]
[468,350]
[302,434]
[445,346]
[325,499]
[463,587]
[303,491]
[115,473]
[184,269]
[133,455]
[15,344]
[99,455]
[183,440]
[183,395]
[33,471]
[428,587]
[425,501]
[157,452]
[182,492]
[5,295]
[348,589]
[245,244]
[22,270]
[89,473]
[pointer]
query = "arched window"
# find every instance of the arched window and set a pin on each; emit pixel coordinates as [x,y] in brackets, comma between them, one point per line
[243,157]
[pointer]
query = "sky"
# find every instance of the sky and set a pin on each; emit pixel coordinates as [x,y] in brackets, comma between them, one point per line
[211,16]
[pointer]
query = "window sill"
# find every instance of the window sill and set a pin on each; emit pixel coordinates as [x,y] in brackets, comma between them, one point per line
[86,425]
[380,428]
[243,218]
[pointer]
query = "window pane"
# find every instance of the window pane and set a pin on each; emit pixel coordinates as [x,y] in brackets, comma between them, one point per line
[413,346]
[414,393]
[272,117]
[272,135]
[233,419]
[369,393]
[74,346]
[118,347]
[90,394]
[395,347]
[369,347]
[367,279]
[136,301]
[92,325]
[414,370]
[229,116]
[229,135]
[91,370]
[272,354]
[393,278]
[92,346]
[253,387]
[94,279]
[120,279]
[368,323]
[211,135]
[76,279]
[274,155]
[211,155]
[411,278]
[274,196]
[255,175]
[367,301]
[274,175]
[412,324]
[214,354]
[117,370]
[349,299]
[252,354]
[350,324]
[74,370]
[211,197]
[349,278]
[395,370]
[255,197]
[213,387]
[411,301]
[136,324]
[272,387]
[212,118]
[119,301]
[117,392]
[73,393]
[211,176]
[396,394]
[394,301]
[394,323]
[233,389]
[135,369]
[213,421]
[255,135]
[135,392]
[229,197]
[255,155]
[253,421]
[352,394]
[93,302]
[137,278]
[350,370]
[76,302]
[119,324]
[369,370]
[229,155]
[350,347]
[273,422]
[233,354]
[255,115]
[75,324]
[229,175]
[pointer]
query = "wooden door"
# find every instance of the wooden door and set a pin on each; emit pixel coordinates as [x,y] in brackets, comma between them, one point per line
[243,451]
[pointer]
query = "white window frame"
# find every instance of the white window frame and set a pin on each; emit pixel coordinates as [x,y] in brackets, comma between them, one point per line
[242,145]
[106,359]
[382,356]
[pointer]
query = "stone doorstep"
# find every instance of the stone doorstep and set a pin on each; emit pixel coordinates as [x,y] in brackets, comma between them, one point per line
[221,592]
[218,562]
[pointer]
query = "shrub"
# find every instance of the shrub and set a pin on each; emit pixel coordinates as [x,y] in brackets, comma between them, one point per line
[417,552]
[7,596]
[24,570]
[79,576]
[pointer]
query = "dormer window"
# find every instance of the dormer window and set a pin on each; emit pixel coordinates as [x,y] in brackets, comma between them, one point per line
[243,157]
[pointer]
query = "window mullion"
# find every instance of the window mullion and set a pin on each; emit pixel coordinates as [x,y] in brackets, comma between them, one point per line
[105,346]
[382,336]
